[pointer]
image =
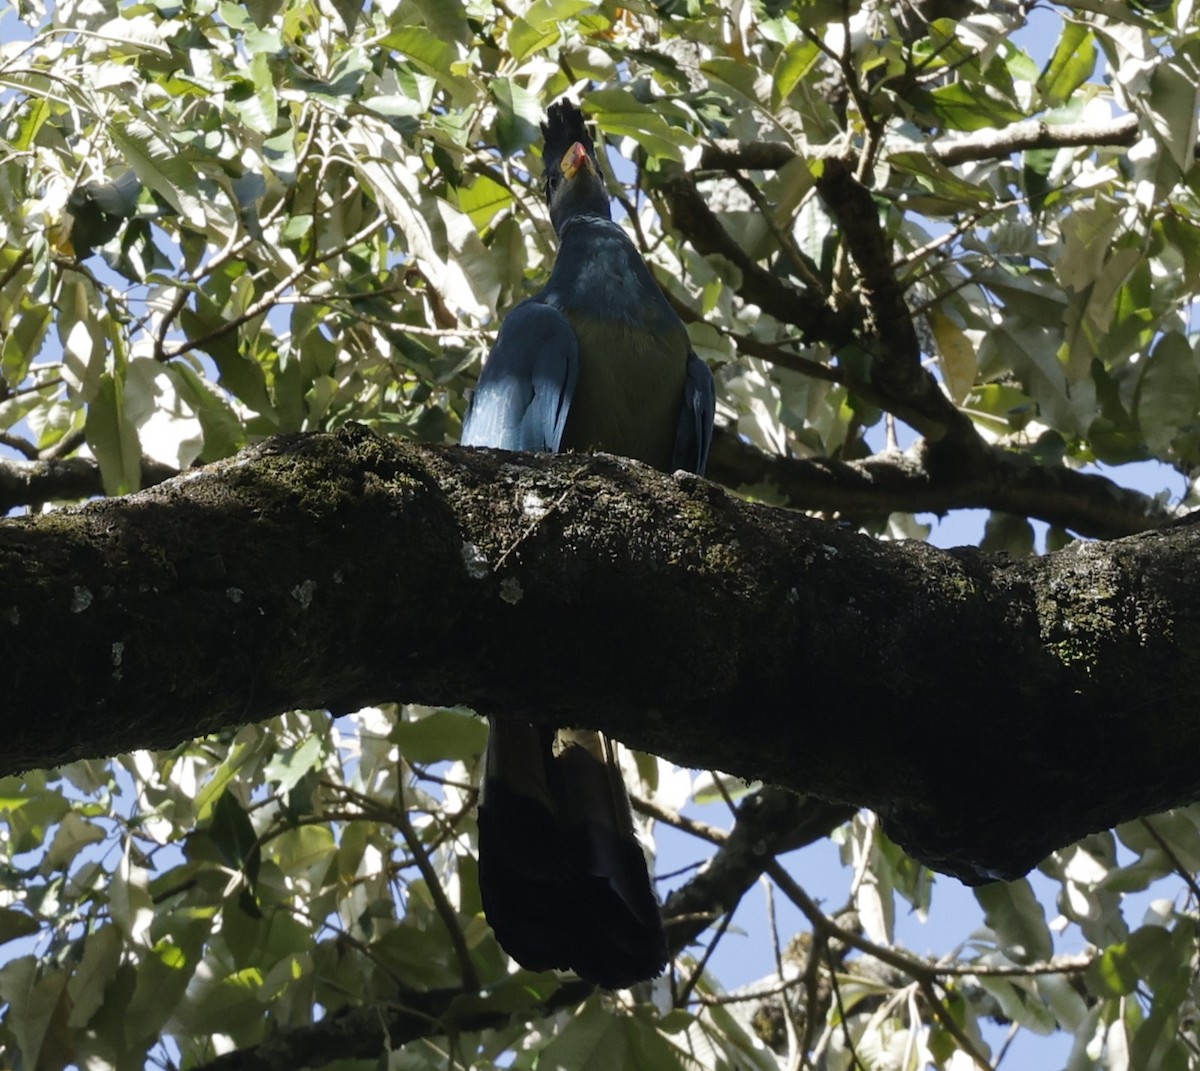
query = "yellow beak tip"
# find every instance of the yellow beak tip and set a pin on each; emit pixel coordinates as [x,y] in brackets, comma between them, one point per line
[574,158]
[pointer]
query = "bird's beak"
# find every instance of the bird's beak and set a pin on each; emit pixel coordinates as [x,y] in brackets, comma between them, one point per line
[574,158]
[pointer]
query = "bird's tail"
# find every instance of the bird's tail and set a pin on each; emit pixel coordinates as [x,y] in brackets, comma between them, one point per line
[563,878]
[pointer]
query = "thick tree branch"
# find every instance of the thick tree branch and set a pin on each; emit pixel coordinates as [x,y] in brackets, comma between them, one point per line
[808,313]
[915,482]
[1035,134]
[726,154]
[769,822]
[30,483]
[953,467]
[896,375]
[341,570]
[912,482]
[729,154]
[896,380]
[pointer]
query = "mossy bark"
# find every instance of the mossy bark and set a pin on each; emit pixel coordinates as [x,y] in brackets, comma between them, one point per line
[989,709]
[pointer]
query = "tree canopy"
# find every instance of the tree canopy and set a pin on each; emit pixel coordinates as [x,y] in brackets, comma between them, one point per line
[940,256]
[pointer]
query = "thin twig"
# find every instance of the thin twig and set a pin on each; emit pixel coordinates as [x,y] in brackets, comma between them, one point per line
[812,988]
[272,296]
[22,446]
[682,996]
[842,1017]
[441,902]
[1183,871]
[946,1018]
[696,828]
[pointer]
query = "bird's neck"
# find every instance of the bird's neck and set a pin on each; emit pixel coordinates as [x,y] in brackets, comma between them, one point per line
[600,273]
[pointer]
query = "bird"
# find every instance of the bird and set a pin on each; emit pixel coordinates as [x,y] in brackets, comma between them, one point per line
[597,360]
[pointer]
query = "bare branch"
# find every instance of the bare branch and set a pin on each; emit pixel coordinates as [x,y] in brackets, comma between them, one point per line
[896,373]
[726,154]
[690,214]
[1034,134]
[30,483]
[929,479]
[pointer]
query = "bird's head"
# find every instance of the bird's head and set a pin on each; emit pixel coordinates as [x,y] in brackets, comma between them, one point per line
[572,175]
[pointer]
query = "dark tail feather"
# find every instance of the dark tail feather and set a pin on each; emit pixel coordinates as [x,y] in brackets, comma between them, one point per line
[563,879]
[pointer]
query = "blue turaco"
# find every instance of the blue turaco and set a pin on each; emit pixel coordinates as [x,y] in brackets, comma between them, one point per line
[597,360]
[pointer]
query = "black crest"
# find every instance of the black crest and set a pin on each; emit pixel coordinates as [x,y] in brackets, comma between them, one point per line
[563,127]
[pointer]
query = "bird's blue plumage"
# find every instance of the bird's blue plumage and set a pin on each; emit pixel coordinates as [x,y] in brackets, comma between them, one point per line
[694,432]
[525,392]
[597,360]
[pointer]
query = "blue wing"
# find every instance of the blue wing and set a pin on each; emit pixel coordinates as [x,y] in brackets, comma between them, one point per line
[694,431]
[526,387]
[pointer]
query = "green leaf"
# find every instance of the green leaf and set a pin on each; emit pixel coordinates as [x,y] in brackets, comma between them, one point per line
[745,80]
[795,62]
[1087,233]
[1031,352]
[233,834]
[1018,920]
[37,114]
[525,40]
[38,1010]
[1172,111]
[432,55]
[1150,950]
[257,106]
[1178,828]
[82,339]
[1112,973]
[23,341]
[30,810]
[168,428]
[287,767]
[224,432]
[619,112]
[956,355]
[969,106]
[73,834]
[592,1039]
[304,851]
[162,168]
[816,15]
[445,19]
[1031,294]
[15,924]
[442,734]
[1065,1001]
[101,958]
[260,940]
[1004,533]
[235,16]
[1019,1005]
[113,439]
[133,33]
[242,377]
[128,896]
[941,181]
[482,200]
[1072,64]
[519,112]
[164,973]
[649,1046]
[540,26]
[1168,394]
